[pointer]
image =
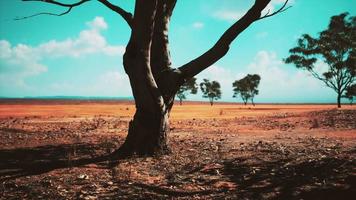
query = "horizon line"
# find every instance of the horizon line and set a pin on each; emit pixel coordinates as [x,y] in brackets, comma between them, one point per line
[115,98]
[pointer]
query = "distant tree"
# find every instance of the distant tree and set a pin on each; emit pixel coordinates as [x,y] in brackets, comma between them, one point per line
[350,93]
[189,86]
[336,46]
[246,87]
[210,90]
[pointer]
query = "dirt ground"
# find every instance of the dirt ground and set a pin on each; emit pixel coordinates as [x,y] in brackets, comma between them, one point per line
[52,150]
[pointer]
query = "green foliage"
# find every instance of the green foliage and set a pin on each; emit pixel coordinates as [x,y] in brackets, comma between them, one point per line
[335,46]
[350,93]
[211,90]
[188,87]
[246,87]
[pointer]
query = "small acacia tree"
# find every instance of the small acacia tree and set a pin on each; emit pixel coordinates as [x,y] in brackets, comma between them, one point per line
[350,93]
[210,90]
[188,87]
[147,63]
[335,46]
[246,87]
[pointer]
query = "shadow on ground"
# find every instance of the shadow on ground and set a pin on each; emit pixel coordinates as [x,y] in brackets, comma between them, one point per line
[21,162]
[289,178]
[325,178]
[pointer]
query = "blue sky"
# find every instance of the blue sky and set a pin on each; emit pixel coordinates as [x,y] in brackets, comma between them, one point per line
[80,54]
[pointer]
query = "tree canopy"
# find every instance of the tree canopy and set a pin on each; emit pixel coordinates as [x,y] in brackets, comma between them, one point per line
[188,87]
[350,93]
[336,47]
[210,90]
[246,87]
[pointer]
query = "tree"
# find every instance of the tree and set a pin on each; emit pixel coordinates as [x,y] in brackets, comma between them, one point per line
[210,90]
[335,46]
[191,86]
[350,93]
[147,62]
[247,87]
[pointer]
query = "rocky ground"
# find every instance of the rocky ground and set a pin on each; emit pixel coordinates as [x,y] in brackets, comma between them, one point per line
[283,155]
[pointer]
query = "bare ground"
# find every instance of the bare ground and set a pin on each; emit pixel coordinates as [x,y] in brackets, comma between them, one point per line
[275,154]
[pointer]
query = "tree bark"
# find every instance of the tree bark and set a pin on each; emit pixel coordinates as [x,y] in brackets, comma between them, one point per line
[339,100]
[146,61]
[147,134]
[154,83]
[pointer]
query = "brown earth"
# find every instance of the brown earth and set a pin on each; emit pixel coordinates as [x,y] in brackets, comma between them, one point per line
[52,150]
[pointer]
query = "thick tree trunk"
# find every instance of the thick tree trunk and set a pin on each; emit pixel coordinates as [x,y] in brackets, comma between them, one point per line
[147,63]
[154,83]
[339,100]
[180,101]
[147,134]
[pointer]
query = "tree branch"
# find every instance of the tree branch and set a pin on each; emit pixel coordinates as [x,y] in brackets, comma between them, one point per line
[350,80]
[124,14]
[282,9]
[327,82]
[44,13]
[59,3]
[221,47]
[69,6]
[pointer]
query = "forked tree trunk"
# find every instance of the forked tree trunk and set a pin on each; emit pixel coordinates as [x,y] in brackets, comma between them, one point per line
[154,83]
[147,63]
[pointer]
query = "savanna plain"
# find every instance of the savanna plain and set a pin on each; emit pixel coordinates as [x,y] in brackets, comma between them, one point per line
[55,149]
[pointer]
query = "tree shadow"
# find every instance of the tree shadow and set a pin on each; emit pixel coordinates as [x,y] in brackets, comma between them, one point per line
[149,191]
[327,178]
[21,162]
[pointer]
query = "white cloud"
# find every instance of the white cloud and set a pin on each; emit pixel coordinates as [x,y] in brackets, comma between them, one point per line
[20,58]
[98,24]
[198,25]
[17,63]
[21,61]
[109,83]
[89,41]
[113,83]
[262,35]
[228,15]
[288,85]
[321,67]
